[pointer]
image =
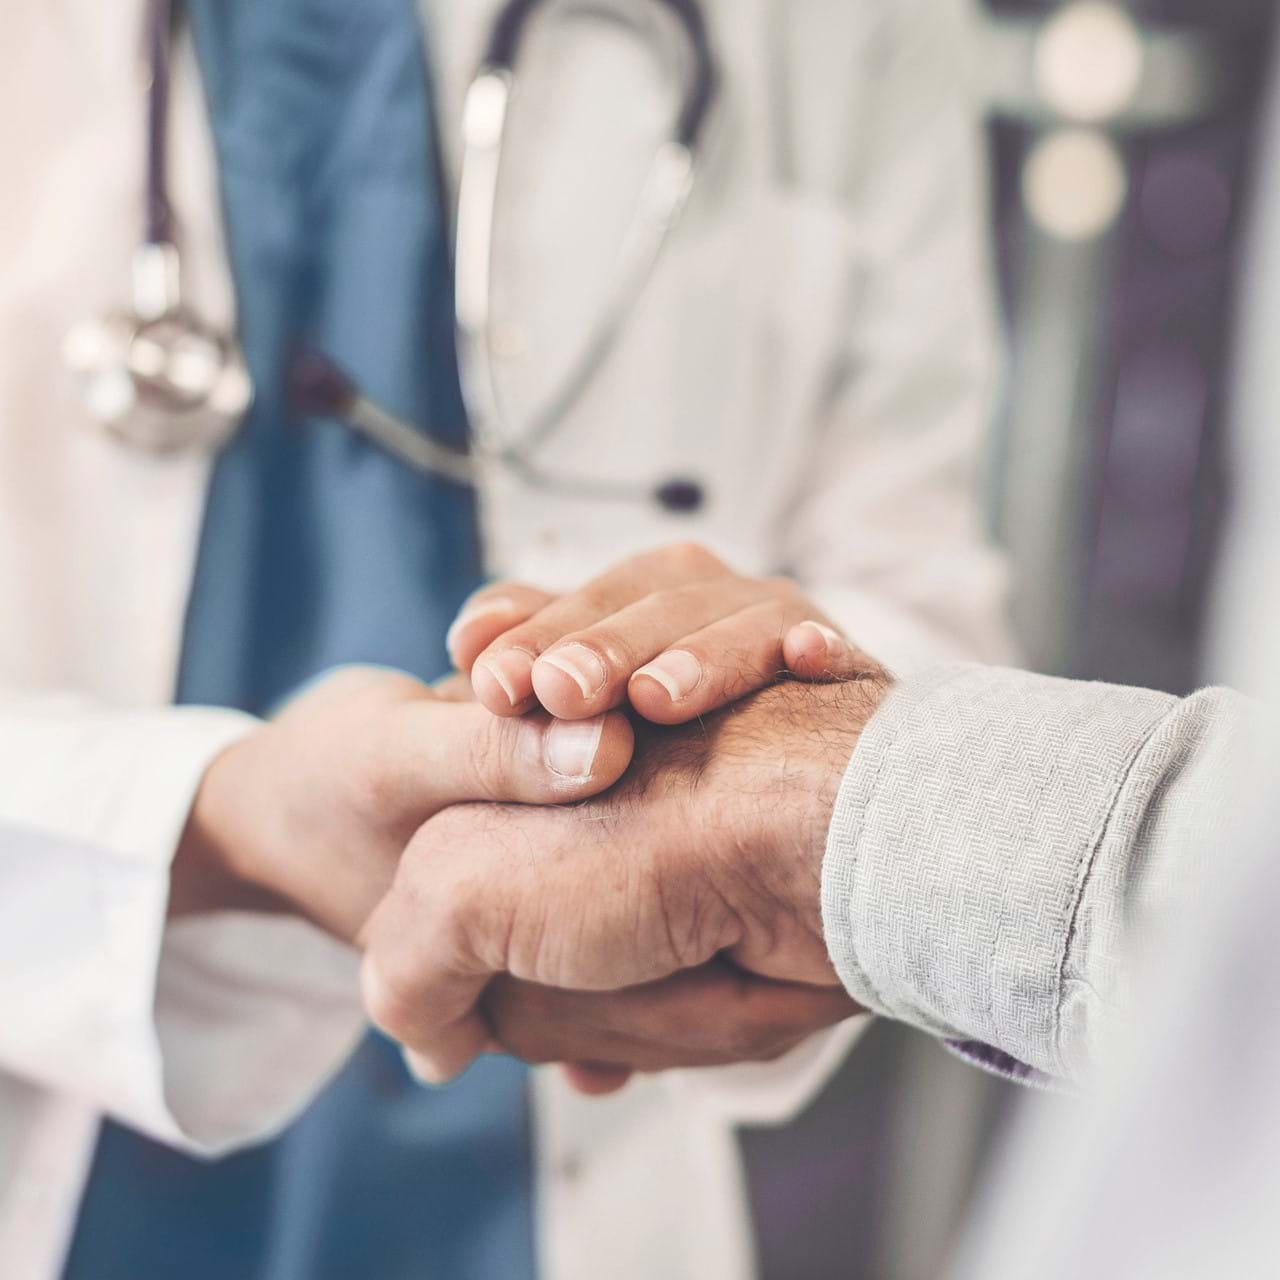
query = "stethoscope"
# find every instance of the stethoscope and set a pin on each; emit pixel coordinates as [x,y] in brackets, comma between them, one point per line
[158,378]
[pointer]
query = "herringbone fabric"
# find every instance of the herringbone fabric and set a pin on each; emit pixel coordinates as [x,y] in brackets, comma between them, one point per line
[998,836]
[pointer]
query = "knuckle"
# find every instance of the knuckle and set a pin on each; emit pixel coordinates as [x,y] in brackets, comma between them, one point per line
[359,690]
[391,999]
[690,558]
[783,588]
[675,601]
[491,754]
[346,682]
[473,934]
[614,649]
[520,593]
[599,597]
[378,750]
[479,598]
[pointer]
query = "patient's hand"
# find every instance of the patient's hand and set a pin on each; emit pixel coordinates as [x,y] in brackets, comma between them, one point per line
[311,811]
[673,631]
[708,851]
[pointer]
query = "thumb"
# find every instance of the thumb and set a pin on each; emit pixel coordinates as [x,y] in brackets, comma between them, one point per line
[443,753]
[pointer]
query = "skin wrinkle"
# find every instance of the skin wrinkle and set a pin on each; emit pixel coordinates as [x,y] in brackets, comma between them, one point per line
[684,954]
[643,1029]
[734,786]
[825,714]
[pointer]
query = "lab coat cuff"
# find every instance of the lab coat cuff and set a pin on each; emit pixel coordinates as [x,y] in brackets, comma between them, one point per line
[247,1015]
[204,1032]
[93,804]
[960,845]
[254,1014]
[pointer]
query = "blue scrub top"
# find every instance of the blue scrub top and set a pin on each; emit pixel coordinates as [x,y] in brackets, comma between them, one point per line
[318,550]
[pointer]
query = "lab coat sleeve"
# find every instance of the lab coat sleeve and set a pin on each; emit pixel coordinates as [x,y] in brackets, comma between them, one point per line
[1004,843]
[205,1032]
[887,528]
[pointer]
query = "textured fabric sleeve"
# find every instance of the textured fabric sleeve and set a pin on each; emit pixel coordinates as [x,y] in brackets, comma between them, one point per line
[997,840]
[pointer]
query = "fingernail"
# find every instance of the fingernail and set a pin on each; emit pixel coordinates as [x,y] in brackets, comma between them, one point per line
[582,666]
[569,746]
[677,671]
[835,642]
[481,609]
[511,672]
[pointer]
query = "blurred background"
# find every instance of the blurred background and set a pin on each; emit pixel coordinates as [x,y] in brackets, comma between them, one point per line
[1122,136]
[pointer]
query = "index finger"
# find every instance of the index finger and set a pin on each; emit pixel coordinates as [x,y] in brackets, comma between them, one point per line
[503,674]
[486,614]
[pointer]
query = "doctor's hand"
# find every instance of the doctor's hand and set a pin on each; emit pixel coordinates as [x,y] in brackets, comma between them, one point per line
[710,848]
[673,631]
[711,1016]
[311,812]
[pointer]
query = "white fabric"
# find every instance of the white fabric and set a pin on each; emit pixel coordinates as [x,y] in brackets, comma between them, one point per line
[820,326]
[203,1034]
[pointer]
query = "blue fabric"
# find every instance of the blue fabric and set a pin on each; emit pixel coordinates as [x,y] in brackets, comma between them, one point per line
[318,550]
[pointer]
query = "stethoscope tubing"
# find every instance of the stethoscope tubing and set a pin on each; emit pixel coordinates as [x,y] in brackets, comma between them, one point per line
[319,387]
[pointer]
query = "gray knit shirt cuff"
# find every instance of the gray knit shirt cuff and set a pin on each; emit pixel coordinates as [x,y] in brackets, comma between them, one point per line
[975,866]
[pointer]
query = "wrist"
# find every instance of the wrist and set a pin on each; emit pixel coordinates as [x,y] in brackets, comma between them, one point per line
[788,767]
[215,867]
[816,760]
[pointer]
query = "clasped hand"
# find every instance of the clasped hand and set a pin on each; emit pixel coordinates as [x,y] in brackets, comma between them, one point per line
[574,890]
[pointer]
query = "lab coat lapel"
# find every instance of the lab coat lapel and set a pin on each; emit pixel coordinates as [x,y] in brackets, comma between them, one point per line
[103,40]
[594,100]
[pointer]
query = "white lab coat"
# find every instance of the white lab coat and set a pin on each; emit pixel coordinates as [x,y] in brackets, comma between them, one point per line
[817,343]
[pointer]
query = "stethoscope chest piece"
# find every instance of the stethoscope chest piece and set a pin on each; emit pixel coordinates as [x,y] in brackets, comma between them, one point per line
[157,377]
